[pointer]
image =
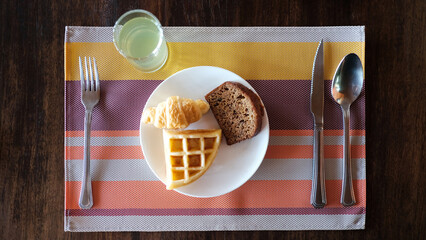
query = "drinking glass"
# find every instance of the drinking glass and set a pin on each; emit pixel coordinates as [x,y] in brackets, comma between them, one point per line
[138,36]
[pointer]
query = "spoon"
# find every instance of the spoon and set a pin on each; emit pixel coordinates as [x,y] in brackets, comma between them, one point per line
[345,88]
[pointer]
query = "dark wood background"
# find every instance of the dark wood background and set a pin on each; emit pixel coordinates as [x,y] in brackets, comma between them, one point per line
[32,100]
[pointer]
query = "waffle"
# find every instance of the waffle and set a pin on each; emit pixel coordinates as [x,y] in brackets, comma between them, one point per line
[189,153]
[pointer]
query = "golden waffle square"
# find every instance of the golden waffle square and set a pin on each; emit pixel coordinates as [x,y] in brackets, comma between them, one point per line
[189,153]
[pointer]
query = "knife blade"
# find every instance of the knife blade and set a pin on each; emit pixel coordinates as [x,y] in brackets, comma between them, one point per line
[318,196]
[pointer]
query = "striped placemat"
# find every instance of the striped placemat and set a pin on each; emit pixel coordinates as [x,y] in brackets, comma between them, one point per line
[277,62]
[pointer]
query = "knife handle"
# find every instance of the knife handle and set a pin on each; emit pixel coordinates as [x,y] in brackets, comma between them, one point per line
[318,197]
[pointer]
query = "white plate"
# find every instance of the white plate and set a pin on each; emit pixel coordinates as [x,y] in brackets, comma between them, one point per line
[234,164]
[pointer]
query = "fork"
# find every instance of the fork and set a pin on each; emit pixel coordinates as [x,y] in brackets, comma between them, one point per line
[90,94]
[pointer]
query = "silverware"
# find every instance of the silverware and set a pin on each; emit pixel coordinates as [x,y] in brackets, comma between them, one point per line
[90,94]
[318,196]
[345,88]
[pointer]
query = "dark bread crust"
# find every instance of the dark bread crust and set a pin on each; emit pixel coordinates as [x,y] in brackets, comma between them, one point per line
[238,111]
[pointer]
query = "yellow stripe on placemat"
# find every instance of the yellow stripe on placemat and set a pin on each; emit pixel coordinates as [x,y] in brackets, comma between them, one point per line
[250,60]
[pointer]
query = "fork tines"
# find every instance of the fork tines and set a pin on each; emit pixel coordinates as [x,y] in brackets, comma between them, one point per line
[92,83]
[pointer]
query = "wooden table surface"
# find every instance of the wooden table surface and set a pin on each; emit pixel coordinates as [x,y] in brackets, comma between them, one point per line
[32,106]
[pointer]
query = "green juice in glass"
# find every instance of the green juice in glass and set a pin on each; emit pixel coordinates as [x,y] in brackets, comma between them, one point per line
[141,41]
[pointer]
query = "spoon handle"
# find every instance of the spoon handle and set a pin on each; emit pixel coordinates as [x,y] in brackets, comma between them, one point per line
[348,195]
[318,196]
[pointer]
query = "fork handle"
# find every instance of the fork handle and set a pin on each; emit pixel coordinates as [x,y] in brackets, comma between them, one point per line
[86,198]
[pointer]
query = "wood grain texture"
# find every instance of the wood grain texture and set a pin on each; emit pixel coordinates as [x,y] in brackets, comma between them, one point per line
[31,94]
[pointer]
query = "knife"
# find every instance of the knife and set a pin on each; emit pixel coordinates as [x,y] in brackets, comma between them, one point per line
[318,197]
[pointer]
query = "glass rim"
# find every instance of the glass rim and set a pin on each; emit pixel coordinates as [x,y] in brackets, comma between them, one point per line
[157,24]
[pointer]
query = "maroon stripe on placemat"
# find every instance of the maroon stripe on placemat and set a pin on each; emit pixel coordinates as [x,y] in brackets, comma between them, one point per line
[119,108]
[286,101]
[289,108]
[215,211]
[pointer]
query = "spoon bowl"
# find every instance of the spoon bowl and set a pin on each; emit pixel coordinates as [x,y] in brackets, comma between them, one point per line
[345,89]
[348,80]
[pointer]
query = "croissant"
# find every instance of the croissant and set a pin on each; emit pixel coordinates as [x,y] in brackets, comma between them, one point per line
[175,113]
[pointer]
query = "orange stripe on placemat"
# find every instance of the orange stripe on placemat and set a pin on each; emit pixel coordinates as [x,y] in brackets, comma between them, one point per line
[273,152]
[311,132]
[340,132]
[94,133]
[253,194]
[291,132]
[336,151]
[289,151]
[306,151]
[105,152]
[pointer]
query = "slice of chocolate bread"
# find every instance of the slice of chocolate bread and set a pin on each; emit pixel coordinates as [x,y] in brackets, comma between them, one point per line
[237,109]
